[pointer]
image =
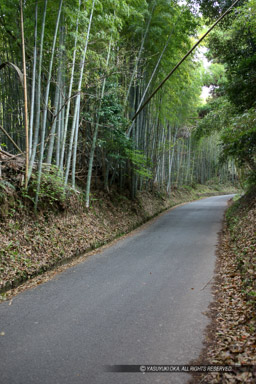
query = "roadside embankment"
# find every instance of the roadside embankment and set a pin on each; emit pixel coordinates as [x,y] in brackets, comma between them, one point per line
[231,336]
[32,244]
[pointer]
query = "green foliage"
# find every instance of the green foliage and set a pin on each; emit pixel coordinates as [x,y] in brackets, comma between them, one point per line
[231,111]
[140,162]
[215,76]
[52,189]
[239,141]
[235,46]
[111,108]
[212,9]
[112,137]
[215,116]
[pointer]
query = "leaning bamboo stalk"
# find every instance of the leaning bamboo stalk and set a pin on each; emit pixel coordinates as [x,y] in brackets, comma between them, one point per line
[152,76]
[12,141]
[138,57]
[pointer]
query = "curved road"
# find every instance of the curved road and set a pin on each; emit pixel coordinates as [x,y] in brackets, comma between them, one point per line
[140,301]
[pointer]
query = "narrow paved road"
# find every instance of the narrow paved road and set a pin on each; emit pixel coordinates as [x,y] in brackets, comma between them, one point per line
[140,301]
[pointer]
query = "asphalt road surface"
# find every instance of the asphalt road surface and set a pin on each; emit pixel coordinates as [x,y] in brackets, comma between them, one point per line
[140,301]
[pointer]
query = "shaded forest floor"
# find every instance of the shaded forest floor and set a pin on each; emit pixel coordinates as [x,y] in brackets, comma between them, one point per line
[33,244]
[231,336]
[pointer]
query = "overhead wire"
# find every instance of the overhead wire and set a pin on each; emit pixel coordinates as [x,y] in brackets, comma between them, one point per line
[182,60]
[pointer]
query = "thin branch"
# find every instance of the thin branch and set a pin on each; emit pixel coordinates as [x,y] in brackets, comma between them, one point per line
[13,142]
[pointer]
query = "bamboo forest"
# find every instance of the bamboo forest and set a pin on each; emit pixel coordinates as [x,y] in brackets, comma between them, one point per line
[127,191]
[88,66]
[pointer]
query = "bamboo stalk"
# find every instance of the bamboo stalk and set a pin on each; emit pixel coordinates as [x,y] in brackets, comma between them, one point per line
[32,105]
[45,106]
[25,93]
[77,103]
